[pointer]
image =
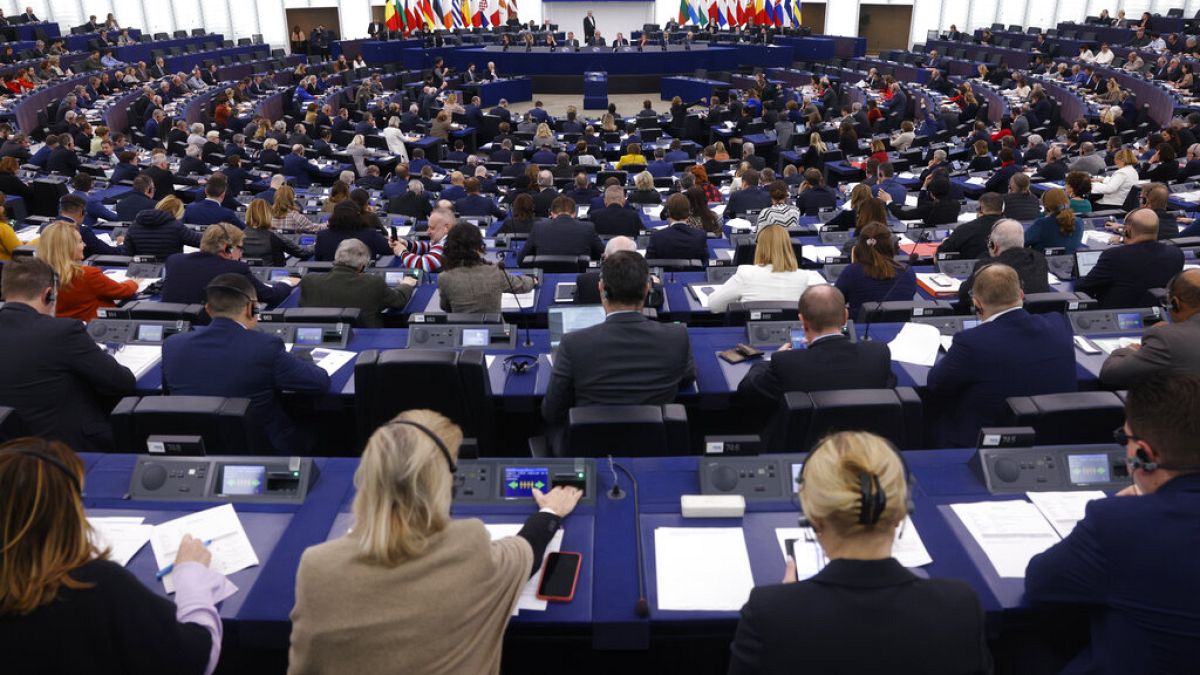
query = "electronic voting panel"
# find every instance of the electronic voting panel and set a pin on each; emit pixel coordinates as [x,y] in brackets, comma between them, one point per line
[758,478]
[503,481]
[1109,321]
[140,331]
[310,335]
[1051,468]
[267,480]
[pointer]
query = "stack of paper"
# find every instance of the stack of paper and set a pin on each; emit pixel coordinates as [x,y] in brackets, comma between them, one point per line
[819,253]
[220,526]
[139,358]
[702,568]
[528,598]
[916,343]
[331,360]
[1097,238]
[28,234]
[123,536]
[121,277]
[1009,532]
[515,303]
[938,285]
[976,181]
[1063,509]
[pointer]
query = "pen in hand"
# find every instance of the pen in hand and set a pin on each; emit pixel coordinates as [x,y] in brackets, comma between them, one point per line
[171,567]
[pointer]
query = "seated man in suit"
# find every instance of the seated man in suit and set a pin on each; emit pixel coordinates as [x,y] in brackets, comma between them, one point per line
[188,274]
[61,384]
[628,359]
[347,286]
[1010,353]
[587,285]
[814,194]
[209,210]
[562,235]
[750,197]
[1148,531]
[1166,347]
[1006,245]
[230,358]
[475,204]
[297,167]
[140,199]
[546,194]
[615,218]
[678,240]
[828,361]
[1124,275]
[970,239]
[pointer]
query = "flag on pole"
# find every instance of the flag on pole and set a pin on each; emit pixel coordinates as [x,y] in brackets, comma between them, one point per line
[441,18]
[691,13]
[701,15]
[778,13]
[714,12]
[477,15]
[497,10]
[390,16]
[760,14]
[683,12]
[796,12]
[720,14]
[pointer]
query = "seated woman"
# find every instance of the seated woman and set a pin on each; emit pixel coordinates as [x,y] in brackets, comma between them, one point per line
[1078,186]
[1059,228]
[702,218]
[286,216]
[520,217]
[10,183]
[780,212]
[82,289]
[409,579]
[468,284]
[266,245]
[874,274]
[774,276]
[347,222]
[9,241]
[644,192]
[160,231]
[846,217]
[854,493]
[57,582]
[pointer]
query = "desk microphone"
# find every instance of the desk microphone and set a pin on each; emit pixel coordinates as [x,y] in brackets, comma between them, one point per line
[642,608]
[516,298]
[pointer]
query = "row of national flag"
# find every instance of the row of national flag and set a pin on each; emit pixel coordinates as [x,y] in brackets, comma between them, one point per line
[409,15]
[740,12]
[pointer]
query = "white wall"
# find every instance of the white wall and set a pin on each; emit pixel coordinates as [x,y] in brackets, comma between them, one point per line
[611,17]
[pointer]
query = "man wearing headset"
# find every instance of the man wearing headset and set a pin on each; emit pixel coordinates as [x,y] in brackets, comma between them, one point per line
[1006,244]
[1131,560]
[61,384]
[1010,353]
[220,253]
[230,358]
[1124,275]
[1165,347]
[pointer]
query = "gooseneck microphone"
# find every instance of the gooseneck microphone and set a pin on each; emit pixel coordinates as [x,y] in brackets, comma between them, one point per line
[516,298]
[642,607]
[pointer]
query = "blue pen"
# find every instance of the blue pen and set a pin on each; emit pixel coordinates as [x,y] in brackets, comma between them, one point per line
[171,567]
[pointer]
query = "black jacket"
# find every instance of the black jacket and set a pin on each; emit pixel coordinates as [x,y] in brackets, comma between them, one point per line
[678,240]
[271,248]
[133,204]
[60,382]
[832,362]
[1124,275]
[562,235]
[616,220]
[1029,264]
[158,233]
[970,240]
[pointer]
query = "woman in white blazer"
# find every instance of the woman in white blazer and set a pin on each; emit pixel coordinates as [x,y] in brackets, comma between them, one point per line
[395,139]
[1114,189]
[774,276]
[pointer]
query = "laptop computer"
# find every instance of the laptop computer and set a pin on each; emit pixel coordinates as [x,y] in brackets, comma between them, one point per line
[564,320]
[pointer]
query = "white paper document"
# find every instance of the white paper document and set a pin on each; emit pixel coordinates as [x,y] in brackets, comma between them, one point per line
[230,547]
[908,549]
[819,253]
[701,292]
[122,536]
[121,277]
[28,234]
[916,343]
[1063,509]
[332,360]
[509,302]
[1009,532]
[139,358]
[910,200]
[1097,238]
[528,598]
[1109,345]
[702,568]
[976,181]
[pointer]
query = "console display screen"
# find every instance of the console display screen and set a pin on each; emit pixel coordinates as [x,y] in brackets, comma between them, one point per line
[150,333]
[393,278]
[243,480]
[308,336]
[1088,469]
[519,481]
[277,275]
[970,323]
[475,337]
[1129,321]
[796,468]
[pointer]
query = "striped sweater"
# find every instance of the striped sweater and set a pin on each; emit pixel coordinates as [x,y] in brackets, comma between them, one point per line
[424,255]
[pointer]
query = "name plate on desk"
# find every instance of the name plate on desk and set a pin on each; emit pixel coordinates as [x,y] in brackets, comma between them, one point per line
[1051,468]
[268,480]
[504,481]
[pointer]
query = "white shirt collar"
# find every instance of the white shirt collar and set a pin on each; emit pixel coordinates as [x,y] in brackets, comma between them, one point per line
[1000,314]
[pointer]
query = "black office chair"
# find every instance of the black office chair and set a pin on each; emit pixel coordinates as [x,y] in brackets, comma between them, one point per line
[622,431]
[11,425]
[739,313]
[455,384]
[677,264]
[1057,301]
[162,311]
[804,418]
[558,264]
[350,315]
[223,423]
[1075,417]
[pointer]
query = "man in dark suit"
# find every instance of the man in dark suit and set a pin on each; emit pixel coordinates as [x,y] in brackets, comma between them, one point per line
[546,194]
[970,240]
[347,286]
[615,219]
[829,360]
[127,167]
[140,199]
[377,30]
[475,204]
[562,234]
[589,28]
[230,358]
[1006,245]
[220,253]
[297,167]
[749,198]
[678,240]
[1147,532]
[627,360]
[61,384]
[1124,275]
[159,171]
[1165,347]
[1008,167]
[1010,353]
[501,110]
[209,210]
[64,160]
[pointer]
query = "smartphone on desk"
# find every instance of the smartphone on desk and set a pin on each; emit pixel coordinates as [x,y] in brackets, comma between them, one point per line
[560,573]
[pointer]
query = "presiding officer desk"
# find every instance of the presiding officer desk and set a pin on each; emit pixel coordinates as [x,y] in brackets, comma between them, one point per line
[603,529]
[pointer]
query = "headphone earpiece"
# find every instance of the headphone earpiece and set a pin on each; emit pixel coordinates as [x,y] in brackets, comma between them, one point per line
[440,446]
[872,496]
[52,293]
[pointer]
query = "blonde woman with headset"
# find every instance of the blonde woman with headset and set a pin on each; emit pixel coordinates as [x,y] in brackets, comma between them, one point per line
[409,588]
[863,612]
[83,289]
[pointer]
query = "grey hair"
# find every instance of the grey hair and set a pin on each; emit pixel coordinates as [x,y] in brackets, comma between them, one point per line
[278,180]
[939,155]
[193,151]
[617,244]
[1035,139]
[198,128]
[1006,234]
[416,187]
[352,253]
[545,179]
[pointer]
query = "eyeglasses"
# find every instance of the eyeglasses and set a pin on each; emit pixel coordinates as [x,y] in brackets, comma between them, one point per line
[1123,438]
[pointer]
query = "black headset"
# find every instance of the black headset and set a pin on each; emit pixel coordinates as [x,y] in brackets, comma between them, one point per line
[52,293]
[229,245]
[872,497]
[52,461]
[1141,461]
[433,437]
[1171,303]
